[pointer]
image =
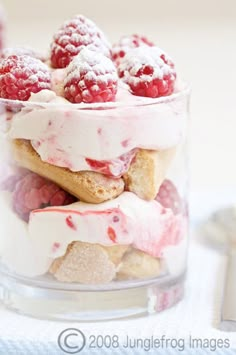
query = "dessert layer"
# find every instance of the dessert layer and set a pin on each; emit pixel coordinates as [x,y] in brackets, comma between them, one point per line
[126,220]
[101,140]
[93,264]
[87,186]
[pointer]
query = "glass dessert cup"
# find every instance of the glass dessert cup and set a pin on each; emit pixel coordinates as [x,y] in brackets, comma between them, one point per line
[113,242]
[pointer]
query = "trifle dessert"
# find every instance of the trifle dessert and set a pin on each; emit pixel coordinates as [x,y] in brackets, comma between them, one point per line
[93,183]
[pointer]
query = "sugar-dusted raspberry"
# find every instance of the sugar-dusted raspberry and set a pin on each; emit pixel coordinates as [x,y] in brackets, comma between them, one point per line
[148,71]
[169,197]
[33,192]
[73,36]
[126,43]
[19,51]
[22,75]
[91,77]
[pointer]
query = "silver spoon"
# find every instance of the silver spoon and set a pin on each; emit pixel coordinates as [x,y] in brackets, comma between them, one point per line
[220,230]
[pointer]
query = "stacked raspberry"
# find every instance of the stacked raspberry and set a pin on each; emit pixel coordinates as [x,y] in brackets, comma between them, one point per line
[32,192]
[84,68]
[22,75]
[91,74]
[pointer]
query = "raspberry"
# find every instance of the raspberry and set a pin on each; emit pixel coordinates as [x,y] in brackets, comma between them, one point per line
[22,75]
[126,43]
[148,71]
[19,51]
[168,197]
[72,37]
[33,192]
[91,77]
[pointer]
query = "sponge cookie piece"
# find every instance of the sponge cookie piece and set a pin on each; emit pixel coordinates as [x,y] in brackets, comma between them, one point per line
[87,186]
[138,265]
[88,263]
[147,172]
[93,264]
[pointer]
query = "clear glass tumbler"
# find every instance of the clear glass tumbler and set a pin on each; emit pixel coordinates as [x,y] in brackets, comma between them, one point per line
[94,218]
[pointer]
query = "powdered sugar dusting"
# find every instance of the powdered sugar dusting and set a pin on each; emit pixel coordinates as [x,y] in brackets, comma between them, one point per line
[95,65]
[36,70]
[136,58]
[126,43]
[75,35]
[87,72]
[148,71]
[21,75]
[86,29]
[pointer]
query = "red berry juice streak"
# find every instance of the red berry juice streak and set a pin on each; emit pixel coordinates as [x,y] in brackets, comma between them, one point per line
[61,210]
[111,234]
[70,223]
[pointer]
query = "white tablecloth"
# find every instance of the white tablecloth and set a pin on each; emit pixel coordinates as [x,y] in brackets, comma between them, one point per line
[198,315]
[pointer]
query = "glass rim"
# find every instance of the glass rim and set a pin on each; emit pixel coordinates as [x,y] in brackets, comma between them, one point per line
[141,101]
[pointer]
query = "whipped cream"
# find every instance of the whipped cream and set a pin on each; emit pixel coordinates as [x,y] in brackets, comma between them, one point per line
[66,136]
[29,249]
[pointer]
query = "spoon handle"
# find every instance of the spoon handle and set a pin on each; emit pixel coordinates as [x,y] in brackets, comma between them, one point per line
[228,317]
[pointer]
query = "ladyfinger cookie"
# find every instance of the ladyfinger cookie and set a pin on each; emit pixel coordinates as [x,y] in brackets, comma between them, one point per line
[137,265]
[88,263]
[87,186]
[147,172]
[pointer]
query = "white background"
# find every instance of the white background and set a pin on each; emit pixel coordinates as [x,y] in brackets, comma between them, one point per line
[199,35]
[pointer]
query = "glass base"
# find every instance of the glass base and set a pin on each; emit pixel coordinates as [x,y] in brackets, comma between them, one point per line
[72,302]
